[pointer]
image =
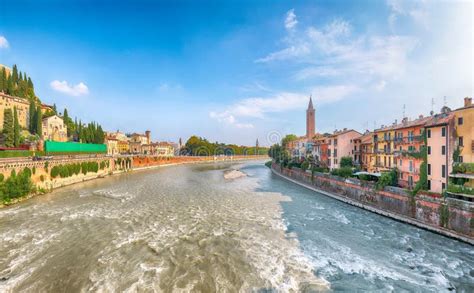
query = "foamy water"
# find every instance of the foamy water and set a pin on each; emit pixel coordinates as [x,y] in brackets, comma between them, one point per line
[187,229]
[180,229]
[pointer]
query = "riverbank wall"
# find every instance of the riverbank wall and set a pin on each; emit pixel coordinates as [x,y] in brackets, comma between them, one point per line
[446,216]
[44,181]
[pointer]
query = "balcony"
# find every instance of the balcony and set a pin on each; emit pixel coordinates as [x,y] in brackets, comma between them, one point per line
[408,140]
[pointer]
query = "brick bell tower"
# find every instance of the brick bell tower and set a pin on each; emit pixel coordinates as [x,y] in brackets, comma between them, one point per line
[310,120]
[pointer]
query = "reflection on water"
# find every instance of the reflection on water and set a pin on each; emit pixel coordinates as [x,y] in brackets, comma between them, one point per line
[181,228]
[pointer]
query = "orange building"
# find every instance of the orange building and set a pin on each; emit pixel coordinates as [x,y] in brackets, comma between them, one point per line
[408,142]
[363,150]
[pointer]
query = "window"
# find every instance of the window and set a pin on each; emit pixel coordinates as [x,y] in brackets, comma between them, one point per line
[335,152]
[401,162]
[335,141]
[460,121]
[443,132]
[443,150]
[460,160]
[429,133]
[429,150]
[461,141]
[429,169]
[443,171]
[443,186]
[429,184]
[411,166]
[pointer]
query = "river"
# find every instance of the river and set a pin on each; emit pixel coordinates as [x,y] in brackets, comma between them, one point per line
[187,229]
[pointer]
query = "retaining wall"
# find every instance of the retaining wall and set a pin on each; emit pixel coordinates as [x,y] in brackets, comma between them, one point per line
[450,217]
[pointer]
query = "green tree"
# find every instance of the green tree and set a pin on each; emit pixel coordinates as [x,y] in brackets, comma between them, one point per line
[288,138]
[32,117]
[3,80]
[8,132]
[346,162]
[39,121]
[16,128]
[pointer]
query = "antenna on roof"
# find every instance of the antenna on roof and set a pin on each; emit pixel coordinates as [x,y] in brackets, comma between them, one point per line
[444,101]
[374,124]
[404,108]
[432,104]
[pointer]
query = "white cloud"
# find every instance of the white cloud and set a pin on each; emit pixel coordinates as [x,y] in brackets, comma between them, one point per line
[290,20]
[79,89]
[257,107]
[4,43]
[334,51]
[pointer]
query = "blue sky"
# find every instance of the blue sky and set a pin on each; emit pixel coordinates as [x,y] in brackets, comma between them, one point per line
[234,71]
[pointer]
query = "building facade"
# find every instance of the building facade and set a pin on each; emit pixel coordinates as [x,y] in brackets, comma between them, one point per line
[54,129]
[340,144]
[407,150]
[440,137]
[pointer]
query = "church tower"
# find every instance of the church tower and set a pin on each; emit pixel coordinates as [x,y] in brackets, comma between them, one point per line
[310,120]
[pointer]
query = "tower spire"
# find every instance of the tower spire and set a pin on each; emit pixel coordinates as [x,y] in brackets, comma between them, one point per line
[310,119]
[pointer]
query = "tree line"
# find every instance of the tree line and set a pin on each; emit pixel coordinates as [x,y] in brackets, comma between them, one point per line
[198,146]
[17,84]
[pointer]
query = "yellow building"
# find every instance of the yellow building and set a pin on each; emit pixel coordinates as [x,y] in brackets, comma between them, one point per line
[123,146]
[464,123]
[382,154]
[22,107]
[54,129]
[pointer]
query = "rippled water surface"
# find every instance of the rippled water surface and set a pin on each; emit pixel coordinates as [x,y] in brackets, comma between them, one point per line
[186,228]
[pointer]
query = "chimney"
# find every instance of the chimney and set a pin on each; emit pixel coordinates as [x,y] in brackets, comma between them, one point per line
[405,120]
[420,117]
[467,102]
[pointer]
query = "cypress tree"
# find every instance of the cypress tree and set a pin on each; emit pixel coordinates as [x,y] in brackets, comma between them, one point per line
[15,75]
[67,122]
[10,87]
[3,80]
[16,128]
[54,109]
[32,118]
[39,121]
[8,134]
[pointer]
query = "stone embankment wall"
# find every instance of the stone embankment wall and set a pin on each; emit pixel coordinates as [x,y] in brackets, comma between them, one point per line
[147,161]
[451,217]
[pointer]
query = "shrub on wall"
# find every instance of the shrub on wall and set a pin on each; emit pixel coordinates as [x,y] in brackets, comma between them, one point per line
[342,172]
[346,162]
[17,185]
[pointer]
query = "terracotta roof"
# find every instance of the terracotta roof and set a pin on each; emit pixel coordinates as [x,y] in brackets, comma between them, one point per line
[440,119]
[343,131]
[365,138]
[407,124]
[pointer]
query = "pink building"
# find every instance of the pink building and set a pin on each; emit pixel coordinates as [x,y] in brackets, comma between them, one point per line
[440,137]
[341,145]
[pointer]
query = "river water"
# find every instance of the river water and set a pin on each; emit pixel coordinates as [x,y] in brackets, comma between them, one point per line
[187,229]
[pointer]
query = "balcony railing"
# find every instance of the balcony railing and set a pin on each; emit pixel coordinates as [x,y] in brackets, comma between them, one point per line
[408,139]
